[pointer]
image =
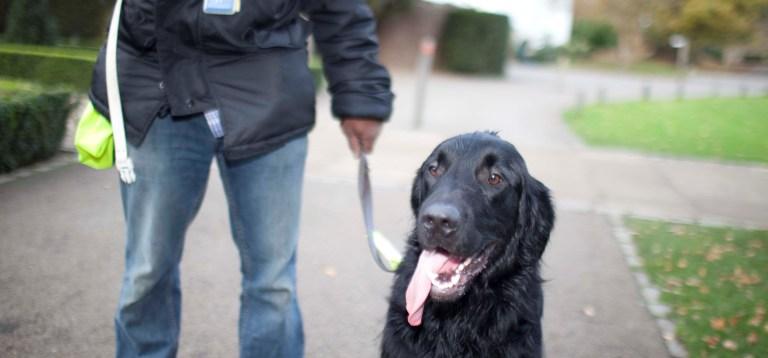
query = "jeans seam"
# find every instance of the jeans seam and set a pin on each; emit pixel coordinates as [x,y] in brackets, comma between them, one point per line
[239,231]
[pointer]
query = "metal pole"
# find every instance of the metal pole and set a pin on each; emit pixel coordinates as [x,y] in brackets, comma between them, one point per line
[601,95]
[680,90]
[423,69]
[646,92]
[743,90]
[580,101]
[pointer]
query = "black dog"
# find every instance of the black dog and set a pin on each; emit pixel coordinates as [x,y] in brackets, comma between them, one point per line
[469,285]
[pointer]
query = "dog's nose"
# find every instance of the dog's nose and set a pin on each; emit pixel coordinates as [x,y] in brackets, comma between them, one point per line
[440,217]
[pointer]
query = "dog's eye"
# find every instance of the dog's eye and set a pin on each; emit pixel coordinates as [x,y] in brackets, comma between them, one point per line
[495,179]
[434,170]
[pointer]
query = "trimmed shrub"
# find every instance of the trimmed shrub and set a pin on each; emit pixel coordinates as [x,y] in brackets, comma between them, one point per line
[30,22]
[74,73]
[546,54]
[83,20]
[32,126]
[474,42]
[593,35]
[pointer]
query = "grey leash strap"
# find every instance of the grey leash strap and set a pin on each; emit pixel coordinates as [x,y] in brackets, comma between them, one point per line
[364,188]
[123,163]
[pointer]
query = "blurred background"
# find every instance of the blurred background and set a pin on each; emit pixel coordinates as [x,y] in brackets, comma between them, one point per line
[648,120]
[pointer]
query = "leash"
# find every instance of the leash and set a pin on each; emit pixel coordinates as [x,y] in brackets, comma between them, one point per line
[386,256]
[123,163]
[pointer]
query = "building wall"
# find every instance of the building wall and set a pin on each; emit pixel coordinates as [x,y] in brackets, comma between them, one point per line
[400,35]
[625,16]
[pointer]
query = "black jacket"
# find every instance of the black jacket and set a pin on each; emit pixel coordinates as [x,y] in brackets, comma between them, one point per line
[252,66]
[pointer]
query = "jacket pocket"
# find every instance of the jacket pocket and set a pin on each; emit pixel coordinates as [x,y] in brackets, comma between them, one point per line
[249,32]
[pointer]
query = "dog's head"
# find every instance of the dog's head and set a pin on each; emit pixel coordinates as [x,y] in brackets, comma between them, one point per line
[478,213]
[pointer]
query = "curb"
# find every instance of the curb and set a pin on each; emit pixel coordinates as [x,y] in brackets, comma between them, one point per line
[61,159]
[650,292]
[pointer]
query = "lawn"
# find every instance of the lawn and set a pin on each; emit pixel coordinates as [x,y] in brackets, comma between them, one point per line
[50,51]
[9,87]
[721,128]
[643,68]
[713,279]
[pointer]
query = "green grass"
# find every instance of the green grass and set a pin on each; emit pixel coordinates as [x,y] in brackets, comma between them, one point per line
[642,68]
[9,85]
[714,281]
[727,129]
[76,53]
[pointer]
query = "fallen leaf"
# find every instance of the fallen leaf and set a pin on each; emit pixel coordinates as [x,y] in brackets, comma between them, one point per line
[758,317]
[702,272]
[696,317]
[715,253]
[330,271]
[730,345]
[656,249]
[673,282]
[717,324]
[704,289]
[756,244]
[678,230]
[755,321]
[752,338]
[712,341]
[733,321]
[693,282]
[681,311]
[682,263]
[729,236]
[742,278]
[589,311]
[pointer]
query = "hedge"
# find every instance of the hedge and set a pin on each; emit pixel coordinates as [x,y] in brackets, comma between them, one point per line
[30,22]
[593,35]
[71,71]
[474,42]
[56,71]
[32,126]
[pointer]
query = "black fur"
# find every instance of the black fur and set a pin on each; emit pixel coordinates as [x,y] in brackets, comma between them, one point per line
[499,314]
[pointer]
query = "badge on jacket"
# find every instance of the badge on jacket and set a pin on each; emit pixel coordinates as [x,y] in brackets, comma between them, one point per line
[221,7]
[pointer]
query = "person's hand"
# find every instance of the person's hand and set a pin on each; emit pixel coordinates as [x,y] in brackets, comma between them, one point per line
[361,133]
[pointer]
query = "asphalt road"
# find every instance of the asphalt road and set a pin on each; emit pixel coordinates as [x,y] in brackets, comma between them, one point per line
[61,242]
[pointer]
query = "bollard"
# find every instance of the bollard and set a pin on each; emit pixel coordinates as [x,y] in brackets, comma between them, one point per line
[601,95]
[646,92]
[743,90]
[580,101]
[423,69]
[680,91]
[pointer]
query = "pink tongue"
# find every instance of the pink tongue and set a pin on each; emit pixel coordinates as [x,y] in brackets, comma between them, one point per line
[420,285]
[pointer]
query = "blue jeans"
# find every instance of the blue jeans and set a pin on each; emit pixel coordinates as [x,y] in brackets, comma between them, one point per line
[264,195]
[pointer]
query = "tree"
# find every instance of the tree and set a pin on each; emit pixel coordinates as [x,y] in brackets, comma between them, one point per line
[710,23]
[30,22]
[384,8]
[593,35]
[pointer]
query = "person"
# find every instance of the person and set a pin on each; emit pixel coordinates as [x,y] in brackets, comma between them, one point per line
[197,86]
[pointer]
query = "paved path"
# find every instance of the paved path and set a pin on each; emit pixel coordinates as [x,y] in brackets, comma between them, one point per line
[61,251]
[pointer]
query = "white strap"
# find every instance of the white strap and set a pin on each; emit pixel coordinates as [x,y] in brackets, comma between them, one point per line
[123,164]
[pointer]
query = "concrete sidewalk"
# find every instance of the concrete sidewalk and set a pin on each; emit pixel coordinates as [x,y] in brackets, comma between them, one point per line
[61,247]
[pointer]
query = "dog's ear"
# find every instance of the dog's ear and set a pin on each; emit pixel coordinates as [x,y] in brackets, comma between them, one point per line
[418,191]
[535,220]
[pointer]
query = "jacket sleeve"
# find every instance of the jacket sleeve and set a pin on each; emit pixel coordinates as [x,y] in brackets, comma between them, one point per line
[345,34]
